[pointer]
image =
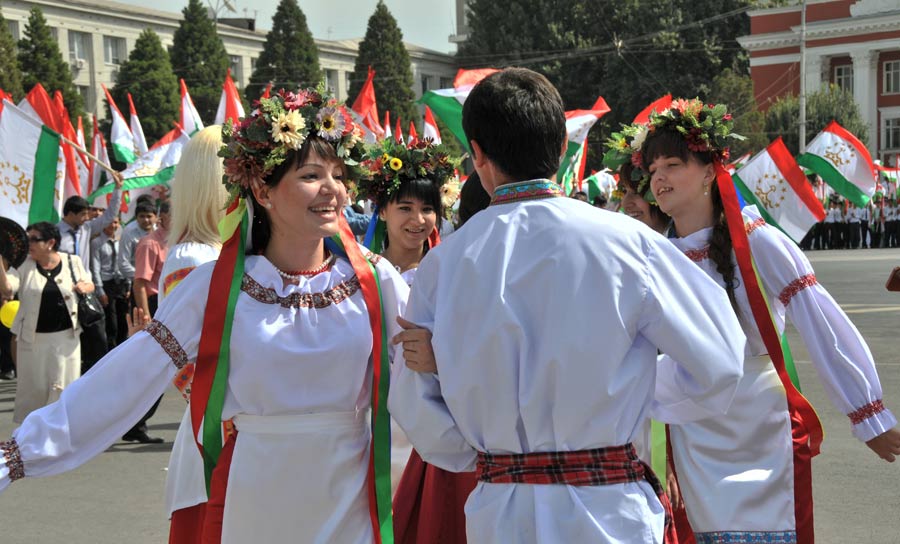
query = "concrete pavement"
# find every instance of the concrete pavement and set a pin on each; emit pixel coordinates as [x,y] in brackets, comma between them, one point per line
[118,496]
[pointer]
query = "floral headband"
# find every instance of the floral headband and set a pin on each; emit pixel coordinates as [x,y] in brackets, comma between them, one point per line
[706,127]
[260,142]
[624,147]
[389,164]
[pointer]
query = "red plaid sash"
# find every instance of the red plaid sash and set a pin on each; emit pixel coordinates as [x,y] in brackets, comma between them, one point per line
[601,466]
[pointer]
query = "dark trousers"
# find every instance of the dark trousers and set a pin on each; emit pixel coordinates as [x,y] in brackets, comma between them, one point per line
[821,236]
[6,359]
[854,235]
[863,234]
[141,425]
[93,344]
[116,310]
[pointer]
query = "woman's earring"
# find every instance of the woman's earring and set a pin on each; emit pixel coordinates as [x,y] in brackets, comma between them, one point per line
[705,190]
[268,205]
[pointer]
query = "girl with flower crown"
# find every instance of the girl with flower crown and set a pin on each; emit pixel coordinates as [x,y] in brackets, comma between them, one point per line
[289,329]
[745,476]
[413,189]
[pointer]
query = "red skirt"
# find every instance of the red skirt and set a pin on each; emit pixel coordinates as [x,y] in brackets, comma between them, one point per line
[428,506]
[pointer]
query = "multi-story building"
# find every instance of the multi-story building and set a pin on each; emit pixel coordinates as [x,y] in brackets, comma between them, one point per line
[96,36]
[854,44]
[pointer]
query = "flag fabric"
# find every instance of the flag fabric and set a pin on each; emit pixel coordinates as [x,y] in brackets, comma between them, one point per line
[658,105]
[156,167]
[447,103]
[140,142]
[430,128]
[230,106]
[578,123]
[736,164]
[843,162]
[31,170]
[366,110]
[775,183]
[74,175]
[387,126]
[190,119]
[398,132]
[84,164]
[39,106]
[412,136]
[599,183]
[120,133]
[98,175]
[268,92]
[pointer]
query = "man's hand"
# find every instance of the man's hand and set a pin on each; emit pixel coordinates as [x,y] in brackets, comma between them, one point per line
[417,349]
[118,179]
[886,445]
[136,320]
[104,300]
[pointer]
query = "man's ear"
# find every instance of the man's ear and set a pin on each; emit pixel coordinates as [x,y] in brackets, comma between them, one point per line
[478,156]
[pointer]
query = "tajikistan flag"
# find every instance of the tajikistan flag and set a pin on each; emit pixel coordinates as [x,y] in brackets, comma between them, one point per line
[120,133]
[140,141]
[156,167]
[190,119]
[578,123]
[32,172]
[448,103]
[843,162]
[775,183]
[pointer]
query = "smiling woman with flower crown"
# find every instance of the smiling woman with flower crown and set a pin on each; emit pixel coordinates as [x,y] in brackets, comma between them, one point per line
[289,332]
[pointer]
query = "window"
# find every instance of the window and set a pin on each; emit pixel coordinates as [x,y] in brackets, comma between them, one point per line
[425,81]
[13,29]
[237,74]
[86,97]
[348,77]
[446,82]
[892,77]
[54,32]
[252,65]
[331,81]
[892,133]
[113,50]
[79,46]
[843,77]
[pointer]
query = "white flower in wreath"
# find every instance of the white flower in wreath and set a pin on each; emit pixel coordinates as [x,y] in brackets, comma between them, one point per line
[639,137]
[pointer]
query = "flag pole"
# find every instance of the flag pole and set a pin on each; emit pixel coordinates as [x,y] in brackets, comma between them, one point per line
[77,147]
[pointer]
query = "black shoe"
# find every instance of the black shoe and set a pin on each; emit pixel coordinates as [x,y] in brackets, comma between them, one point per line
[142,437]
[8,375]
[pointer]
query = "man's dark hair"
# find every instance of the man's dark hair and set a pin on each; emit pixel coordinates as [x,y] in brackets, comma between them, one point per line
[75,204]
[472,198]
[144,198]
[144,207]
[518,119]
[164,206]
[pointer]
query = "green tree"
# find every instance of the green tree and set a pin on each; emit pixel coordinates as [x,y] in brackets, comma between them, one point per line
[736,91]
[148,76]
[382,48]
[198,56]
[828,104]
[289,58]
[10,75]
[42,62]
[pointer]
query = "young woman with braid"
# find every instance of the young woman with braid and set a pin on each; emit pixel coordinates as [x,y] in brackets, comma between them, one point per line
[745,476]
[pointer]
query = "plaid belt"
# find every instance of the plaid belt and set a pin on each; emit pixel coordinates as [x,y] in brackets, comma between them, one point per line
[601,466]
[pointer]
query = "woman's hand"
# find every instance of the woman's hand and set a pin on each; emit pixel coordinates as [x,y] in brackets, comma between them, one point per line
[417,350]
[83,287]
[136,320]
[886,445]
[672,489]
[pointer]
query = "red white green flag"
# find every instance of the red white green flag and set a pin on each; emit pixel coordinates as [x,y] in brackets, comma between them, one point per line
[775,183]
[155,167]
[230,106]
[365,110]
[430,128]
[120,133]
[140,142]
[190,119]
[843,162]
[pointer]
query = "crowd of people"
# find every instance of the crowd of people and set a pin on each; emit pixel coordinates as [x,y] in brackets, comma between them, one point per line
[315,367]
[847,226]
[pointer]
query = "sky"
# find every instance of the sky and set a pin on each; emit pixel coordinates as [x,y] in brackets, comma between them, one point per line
[427,23]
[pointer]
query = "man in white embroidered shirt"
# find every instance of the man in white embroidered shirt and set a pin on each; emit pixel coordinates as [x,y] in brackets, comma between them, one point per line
[512,377]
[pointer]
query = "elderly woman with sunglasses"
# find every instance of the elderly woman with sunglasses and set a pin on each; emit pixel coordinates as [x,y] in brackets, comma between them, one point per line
[48,349]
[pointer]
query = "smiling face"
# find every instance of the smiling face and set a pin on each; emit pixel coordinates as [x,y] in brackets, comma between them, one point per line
[636,207]
[308,199]
[409,221]
[679,185]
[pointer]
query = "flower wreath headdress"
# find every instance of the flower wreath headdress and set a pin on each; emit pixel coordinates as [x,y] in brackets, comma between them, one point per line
[389,164]
[706,127]
[624,147]
[260,142]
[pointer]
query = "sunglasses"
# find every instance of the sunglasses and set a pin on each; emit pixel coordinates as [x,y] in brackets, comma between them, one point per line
[35,239]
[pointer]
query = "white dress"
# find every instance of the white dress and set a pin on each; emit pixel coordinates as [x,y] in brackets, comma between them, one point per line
[298,390]
[737,472]
[516,376]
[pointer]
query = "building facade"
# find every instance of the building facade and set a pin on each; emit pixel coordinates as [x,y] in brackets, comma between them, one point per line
[854,44]
[96,36]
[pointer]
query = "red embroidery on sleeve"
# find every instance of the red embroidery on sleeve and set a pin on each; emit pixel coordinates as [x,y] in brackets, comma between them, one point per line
[13,459]
[865,412]
[754,225]
[697,255]
[796,286]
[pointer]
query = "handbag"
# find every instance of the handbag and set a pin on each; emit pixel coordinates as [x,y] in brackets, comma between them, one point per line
[893,283]
[90,310]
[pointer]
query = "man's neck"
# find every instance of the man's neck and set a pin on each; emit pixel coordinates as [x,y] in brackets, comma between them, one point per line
[71,222]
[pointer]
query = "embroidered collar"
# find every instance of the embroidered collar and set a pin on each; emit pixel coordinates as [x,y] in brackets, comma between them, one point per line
[526,190]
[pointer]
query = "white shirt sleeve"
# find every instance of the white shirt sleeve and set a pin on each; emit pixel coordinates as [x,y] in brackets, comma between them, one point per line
[838,351]
[98,408]
[415,399]
[688,317]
